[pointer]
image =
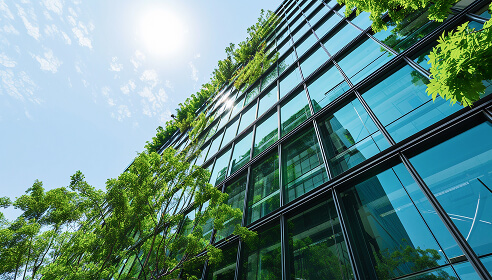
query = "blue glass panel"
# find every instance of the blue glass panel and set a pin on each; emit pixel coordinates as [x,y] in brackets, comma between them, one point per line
[230,132]
[252,93]
[466,271]
[386,230]
[363,60]
[305,45]
[240,155]
[327,25]
[341,38]
[402,105]
[289,81]
[314,61]
[298,34]
[266,133]
[362,20]
[286,62]
[267,101]
[313,19]
[294,112]
[327,87]
[269,78]
[219,171]
[459,174]
[214,147]
[248,116]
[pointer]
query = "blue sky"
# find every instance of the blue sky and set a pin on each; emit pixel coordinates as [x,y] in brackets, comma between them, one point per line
[82,88]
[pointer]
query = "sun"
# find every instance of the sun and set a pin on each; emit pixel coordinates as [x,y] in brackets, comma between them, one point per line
[161,31]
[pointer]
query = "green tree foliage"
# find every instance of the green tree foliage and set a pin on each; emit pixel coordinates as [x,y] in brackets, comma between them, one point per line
[460,62]
[261,60]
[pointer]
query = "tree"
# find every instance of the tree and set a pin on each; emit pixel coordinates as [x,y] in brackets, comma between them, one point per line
[461,61]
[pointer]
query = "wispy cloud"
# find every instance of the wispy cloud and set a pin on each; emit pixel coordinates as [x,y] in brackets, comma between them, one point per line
[19,86]
[194,72]
[55,6]
[153,101]
[150,77]
[32,28]
[137,59]
[130,86]
[197,55]
[122,113]
[114,65]
[7,61]
[105,92]
[49,62]
[6,11]
[80,30]
[10,29]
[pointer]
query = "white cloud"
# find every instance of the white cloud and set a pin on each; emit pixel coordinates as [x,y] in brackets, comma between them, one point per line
[51,30]
[150,76]
[152,102]
[10,29]
[49,62]
[105,92]
[169,85]
[55,6]
[67,39]
[28,115]
[81,35]
[115,66]
[7,61]
[130,86]
[122,113]
[32,29]
[197,55]
[194,72]
[19,86]
[5,9]
[137,59]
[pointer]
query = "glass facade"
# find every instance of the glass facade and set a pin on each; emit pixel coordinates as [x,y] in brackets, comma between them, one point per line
[343,164]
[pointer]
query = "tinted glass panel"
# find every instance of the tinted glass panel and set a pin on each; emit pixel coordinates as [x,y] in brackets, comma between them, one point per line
[288,82]
[327,25]
[350,137]
[269,78]
[267,101]
[388,235]
[327,87]
[230,132]
[341,38]
[286,62]
[305,45]
[219,172]
[362,20]
[294,112]
[263,195]
[266,134]
[302,165]
[317,248]
[461,179]
[242,149]
[262,261]
[402,105]
[314,61]
[236,192]
[247,118]
[226,267]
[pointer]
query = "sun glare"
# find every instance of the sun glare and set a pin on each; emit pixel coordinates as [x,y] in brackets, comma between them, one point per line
[161,31]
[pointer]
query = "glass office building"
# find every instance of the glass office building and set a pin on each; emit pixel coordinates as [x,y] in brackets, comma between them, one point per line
[342,163]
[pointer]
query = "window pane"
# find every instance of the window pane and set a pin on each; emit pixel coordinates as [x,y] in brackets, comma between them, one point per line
[341,38]
[350,137]
[388,235]
[247,118]
[267,101]
[402,105]
[226,267]
[252,93]
[202,156]
[289,81]
[302,165]
[214,147]
[305,45]
[242,149]
[236,192]
[327,87]
[327,25]
[219,172]
[263,260]
[314,61]
[362,20]
[459,173]
[318,15]
[266,134]
[269,78]
[263,195]
[363,60]
[444,273]
[237,107]
[294,112]
[298,34]
[230,132]
[317,248]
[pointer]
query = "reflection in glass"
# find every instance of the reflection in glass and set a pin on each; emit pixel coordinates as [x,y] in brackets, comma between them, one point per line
[294,112]
[317,248]
[286,62]
[289,81]
[362,20]
[402,105]
[341,38]
[266,133]
[350,137]
[219,171]
[230,132]
[388,236]
[363,60]
[267,101]
[262,260]
[236,192]
[461,179]
[305,45]
[326,87]
[263,195]
[252,93]
[226,267]
[248,116]
[327,25]
[269,78]
[302,165]
[241,153]
[237,107]
[317,15]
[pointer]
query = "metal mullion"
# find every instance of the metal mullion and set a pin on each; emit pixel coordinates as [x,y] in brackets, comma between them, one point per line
[487,114]
[237,270]
[284,239]
[424,72]
[321,146]
[350,251]
[452,228]
[243,223]
[280,177]
[476,18]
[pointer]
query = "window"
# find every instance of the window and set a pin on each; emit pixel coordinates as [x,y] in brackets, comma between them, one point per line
[294,112]
[241,153]
[236,192]
[266,133]
[326,87]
